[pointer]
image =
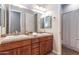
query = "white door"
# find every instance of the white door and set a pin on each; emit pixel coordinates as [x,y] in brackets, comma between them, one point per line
[73,28]
[77,39]
[66,29]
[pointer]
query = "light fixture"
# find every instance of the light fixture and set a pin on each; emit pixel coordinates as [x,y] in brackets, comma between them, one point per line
[19,6]
[39,8]
[37,11]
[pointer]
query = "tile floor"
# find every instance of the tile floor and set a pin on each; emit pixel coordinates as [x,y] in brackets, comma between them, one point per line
[67,51]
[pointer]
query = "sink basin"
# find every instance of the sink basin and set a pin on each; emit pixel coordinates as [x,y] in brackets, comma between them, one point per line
[22,36]
[10,37]
[15,36]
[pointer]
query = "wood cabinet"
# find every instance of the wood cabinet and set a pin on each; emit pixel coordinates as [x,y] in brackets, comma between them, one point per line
[48,46]
[42,48]
[22,47]
[26,50]
[33,46]
[10,52]
[36,51]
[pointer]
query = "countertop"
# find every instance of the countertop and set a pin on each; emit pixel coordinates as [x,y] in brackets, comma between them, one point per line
[13,38]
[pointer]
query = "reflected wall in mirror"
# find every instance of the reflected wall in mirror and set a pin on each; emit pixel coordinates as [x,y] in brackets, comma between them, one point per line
[46,22]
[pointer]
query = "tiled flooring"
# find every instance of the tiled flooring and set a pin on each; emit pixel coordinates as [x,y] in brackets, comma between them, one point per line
[67,51]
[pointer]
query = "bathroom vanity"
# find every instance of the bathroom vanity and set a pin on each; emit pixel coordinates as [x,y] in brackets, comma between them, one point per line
[27,45]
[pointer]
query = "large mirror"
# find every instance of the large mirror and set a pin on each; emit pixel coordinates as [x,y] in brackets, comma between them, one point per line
[14,19]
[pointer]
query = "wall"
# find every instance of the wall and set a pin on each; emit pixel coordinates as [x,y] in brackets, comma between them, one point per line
[30,25]
[69,7]
[56,26]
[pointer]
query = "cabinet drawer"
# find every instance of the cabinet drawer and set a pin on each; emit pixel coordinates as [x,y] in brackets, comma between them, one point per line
[34,45]
[35,40]
[26,42]
[13,45]
[35,51]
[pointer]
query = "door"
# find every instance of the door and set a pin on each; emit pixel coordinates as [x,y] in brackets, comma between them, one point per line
[49,46]
[73,28]
[46,46]
[42,47]
[77,31]
[66,29]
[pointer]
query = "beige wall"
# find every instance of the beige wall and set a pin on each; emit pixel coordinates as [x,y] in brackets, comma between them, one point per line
[56,26]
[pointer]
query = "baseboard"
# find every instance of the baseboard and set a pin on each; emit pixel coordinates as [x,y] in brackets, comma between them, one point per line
[55,52]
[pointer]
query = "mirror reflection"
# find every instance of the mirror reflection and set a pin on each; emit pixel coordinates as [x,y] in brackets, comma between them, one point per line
[46,22]
[14,19]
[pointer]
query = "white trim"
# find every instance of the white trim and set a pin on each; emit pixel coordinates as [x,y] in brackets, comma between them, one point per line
[13,10]
[1,22]
[55,52]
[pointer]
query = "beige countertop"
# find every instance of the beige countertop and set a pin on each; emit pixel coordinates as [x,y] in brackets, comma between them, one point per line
[13,38]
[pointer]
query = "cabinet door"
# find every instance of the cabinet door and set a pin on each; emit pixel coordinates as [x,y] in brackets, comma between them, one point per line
[35,51]
[26,50]
[48,46]
[42,47]
[10,52]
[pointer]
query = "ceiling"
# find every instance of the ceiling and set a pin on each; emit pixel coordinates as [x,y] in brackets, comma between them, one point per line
[39,8]
[33,7]
[30,5]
